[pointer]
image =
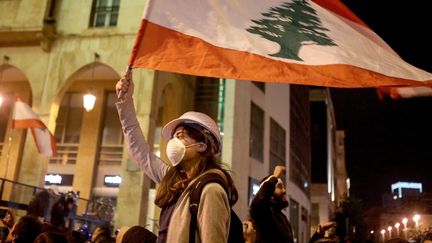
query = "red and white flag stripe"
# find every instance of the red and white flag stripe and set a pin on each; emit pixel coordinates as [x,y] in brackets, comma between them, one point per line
[319,42]
[24,117]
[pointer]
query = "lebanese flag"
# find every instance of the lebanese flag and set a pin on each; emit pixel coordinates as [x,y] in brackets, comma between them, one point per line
[24,117]
[318,42]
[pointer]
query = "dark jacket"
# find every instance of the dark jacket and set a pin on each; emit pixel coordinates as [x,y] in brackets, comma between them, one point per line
[270,223]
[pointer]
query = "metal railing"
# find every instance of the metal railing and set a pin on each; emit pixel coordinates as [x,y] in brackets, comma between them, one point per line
[17,196]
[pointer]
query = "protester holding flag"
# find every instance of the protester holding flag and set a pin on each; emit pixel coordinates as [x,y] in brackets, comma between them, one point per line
[194,143]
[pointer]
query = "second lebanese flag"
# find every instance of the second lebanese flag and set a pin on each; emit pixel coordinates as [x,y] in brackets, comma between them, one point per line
[318,42]
[24,117]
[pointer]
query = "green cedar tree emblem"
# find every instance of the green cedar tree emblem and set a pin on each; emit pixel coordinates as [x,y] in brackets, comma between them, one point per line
[291,25]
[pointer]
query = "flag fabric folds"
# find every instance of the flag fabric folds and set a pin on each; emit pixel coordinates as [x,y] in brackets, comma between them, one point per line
[319,42]
[24,117]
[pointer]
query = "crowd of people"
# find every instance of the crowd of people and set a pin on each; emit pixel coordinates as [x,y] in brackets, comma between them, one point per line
[29,228]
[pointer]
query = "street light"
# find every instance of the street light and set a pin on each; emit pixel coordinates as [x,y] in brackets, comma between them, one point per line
[383,234]
[390,230]
[397,228]
[404,222]
[89,99]
[416,219]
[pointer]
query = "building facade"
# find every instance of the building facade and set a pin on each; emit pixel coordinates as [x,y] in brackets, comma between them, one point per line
[330,183]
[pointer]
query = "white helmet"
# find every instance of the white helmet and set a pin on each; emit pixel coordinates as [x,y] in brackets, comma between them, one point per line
[196,118]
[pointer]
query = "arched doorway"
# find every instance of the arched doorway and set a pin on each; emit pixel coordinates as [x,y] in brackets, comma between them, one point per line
[89,142]
[13,84]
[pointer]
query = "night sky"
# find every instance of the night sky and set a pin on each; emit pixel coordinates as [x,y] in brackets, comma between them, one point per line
[389,140]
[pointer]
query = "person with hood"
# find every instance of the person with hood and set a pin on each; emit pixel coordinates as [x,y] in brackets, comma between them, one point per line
[194,142]
[271,224]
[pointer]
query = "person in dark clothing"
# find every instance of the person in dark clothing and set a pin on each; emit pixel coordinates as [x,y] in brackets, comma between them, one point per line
[25,230]
[61,209]
[50,237]
[271,225]
[102,234]
[38,206]
[138,234]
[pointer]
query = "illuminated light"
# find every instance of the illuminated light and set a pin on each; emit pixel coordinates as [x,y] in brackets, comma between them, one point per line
[1,100]
[348,185]
[416,219]
[395,197]
[383,234]
[305,184]
[157,153]
[255,189]
[53,179]
[397,228]
[113,180]
[407,185]
[372,232]
[89,101]
[411,185]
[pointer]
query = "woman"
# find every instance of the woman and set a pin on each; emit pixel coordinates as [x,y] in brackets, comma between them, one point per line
[194,142]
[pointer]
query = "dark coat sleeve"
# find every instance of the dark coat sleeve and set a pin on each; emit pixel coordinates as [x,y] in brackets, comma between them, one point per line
[263,197]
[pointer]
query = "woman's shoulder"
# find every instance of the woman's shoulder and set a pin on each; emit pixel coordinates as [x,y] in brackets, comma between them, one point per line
[215,172]
[211,181]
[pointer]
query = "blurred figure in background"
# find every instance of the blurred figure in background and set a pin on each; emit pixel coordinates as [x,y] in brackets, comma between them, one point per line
[137,234]
[271,224]
[50,237]
[102,234]
[325,232]
[38,206]
[25,230]
[61,209]
[6,223]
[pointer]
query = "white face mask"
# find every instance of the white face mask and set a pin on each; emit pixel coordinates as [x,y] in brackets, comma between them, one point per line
[176,150]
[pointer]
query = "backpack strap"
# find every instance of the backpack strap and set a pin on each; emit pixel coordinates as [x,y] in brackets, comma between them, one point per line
[194,198]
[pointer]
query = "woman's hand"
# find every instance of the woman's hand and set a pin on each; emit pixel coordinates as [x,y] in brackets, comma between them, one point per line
[125,86]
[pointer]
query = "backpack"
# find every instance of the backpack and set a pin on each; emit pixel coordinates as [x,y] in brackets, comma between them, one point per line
[235,234]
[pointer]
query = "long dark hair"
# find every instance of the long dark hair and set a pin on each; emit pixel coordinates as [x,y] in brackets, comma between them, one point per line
[175,181]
